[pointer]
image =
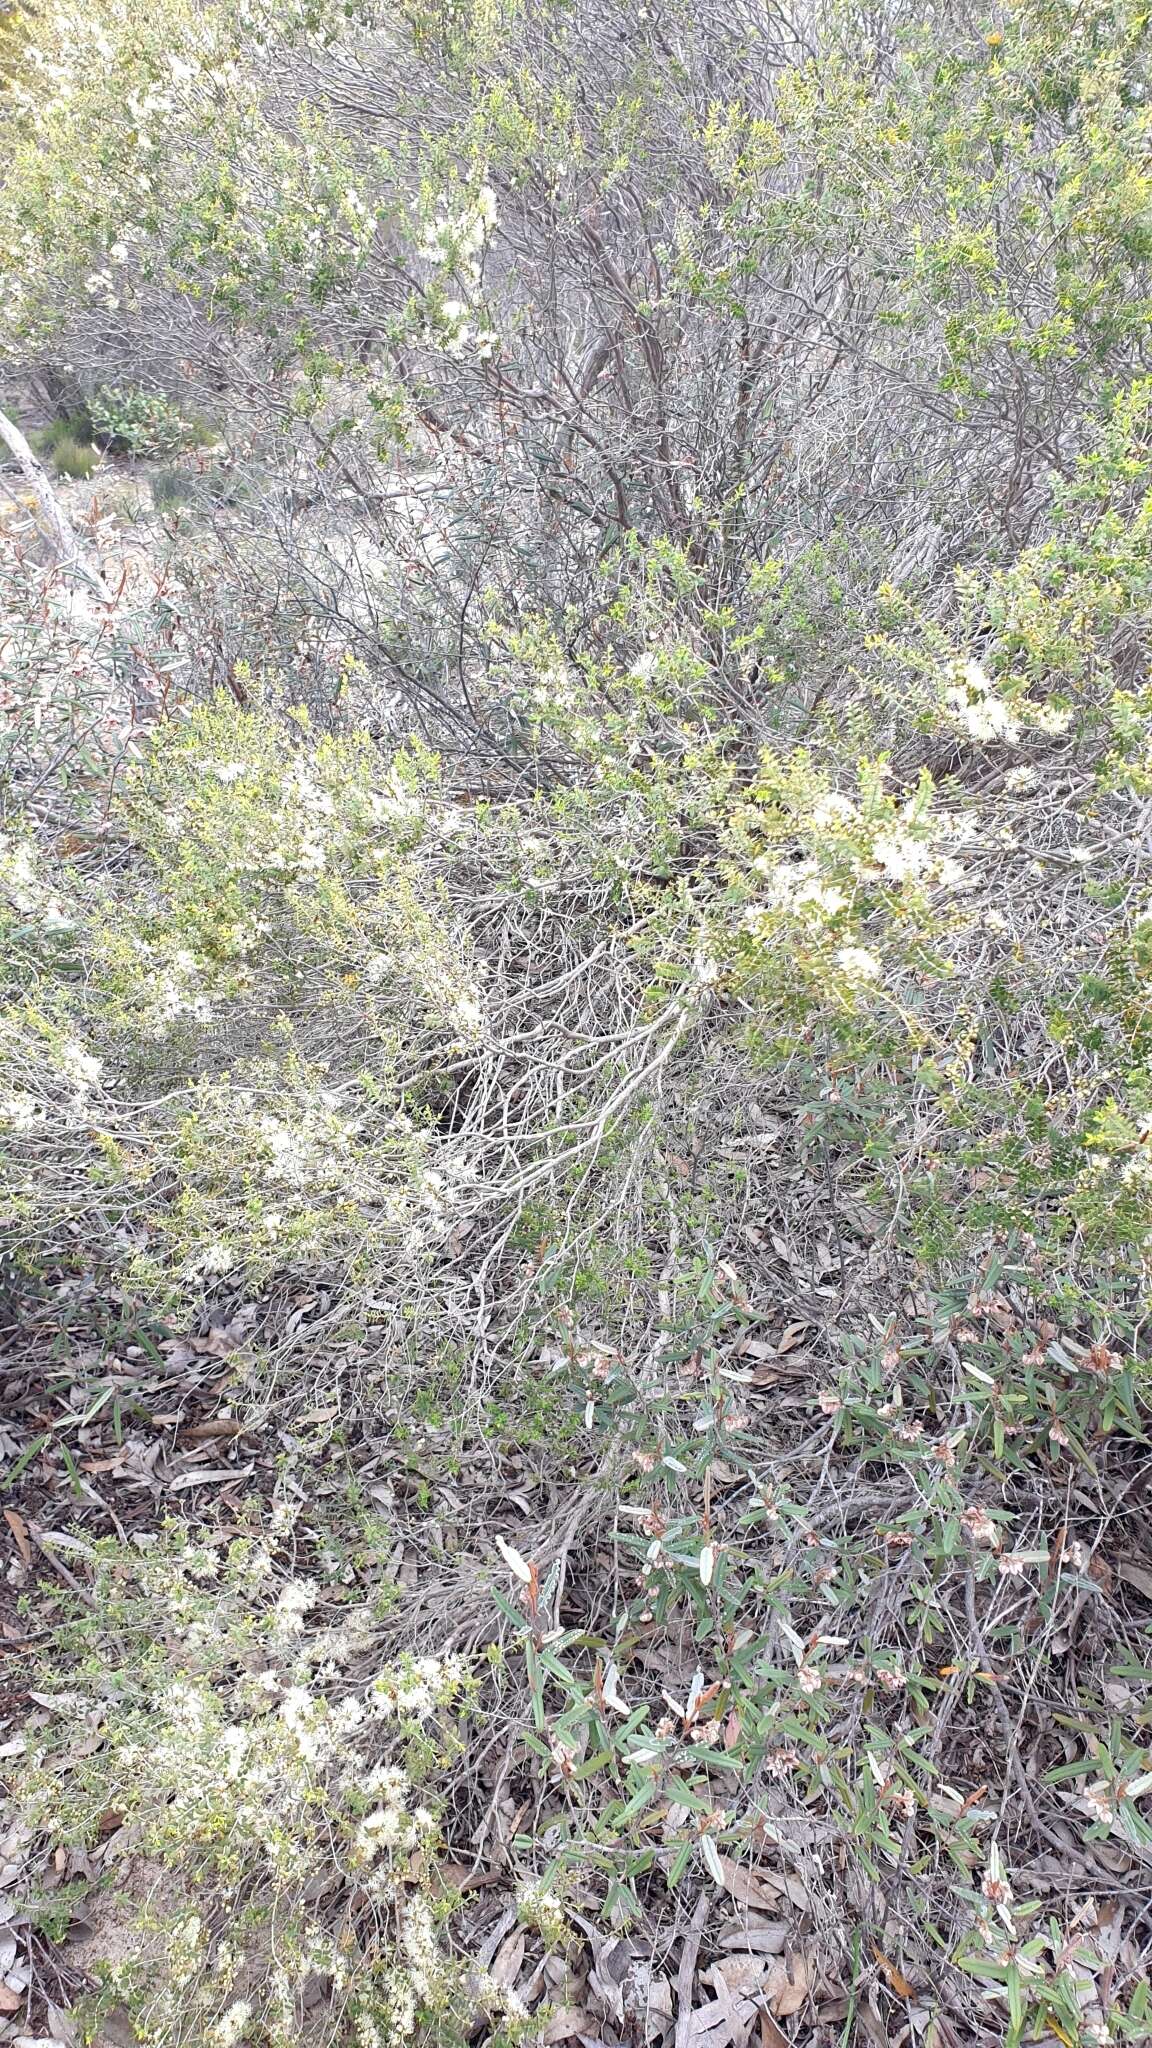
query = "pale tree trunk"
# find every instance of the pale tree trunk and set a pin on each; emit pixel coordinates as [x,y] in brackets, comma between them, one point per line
[70,550]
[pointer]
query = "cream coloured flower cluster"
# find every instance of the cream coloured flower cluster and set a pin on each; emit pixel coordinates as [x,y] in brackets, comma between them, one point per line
[858,857]
[453,244]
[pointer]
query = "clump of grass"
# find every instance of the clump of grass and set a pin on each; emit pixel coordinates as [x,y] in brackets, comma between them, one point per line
[73,458]
[172,489]
[66,442]
[202,433]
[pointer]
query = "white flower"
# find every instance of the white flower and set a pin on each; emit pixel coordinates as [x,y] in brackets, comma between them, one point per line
[388,1782]
[295,1600]
[469,1015]
[797,887]
[81,1068]
[1051,718]
[388,1827]
[21,1112]
[900,856]
[217,1259]
[833,809]
[974,703]
[232,2025]
[236,1744]
[857,963]
[982,1530]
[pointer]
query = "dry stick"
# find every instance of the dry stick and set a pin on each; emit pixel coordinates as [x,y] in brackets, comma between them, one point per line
[63,535]
[60,1568]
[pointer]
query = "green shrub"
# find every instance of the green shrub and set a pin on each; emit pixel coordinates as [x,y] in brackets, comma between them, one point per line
[132,421]
[279,1776]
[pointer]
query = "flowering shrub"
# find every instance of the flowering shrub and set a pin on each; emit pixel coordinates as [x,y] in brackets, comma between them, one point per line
[276,910]
[285,1796]
[593,914]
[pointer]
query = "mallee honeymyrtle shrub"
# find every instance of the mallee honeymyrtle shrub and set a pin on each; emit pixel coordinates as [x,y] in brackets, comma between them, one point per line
[266,1759]
[274,946]
[693,465]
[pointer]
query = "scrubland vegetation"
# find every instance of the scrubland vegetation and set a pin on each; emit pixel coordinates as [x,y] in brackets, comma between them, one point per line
[575,1030]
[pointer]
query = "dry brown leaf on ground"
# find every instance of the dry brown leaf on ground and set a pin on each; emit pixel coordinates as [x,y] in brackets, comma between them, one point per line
[722,2021]
[737,1975]
[613,1962]
[784,1882]
[751,1890]
[658,2007]
[771,2036]
[505,1967]
[896,1979]
[647,1996]
[769,1939]
[19,1528]
[215,1475]
[566,2022]
[787,1986]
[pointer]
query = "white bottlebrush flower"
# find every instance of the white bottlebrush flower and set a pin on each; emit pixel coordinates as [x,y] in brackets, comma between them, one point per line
[976,706]
[232,2025]
[833,809]
[215,1259]
[294,1602]
[387,1827]
[82,1069]
[21,1112]
[469,1015]
[858,963]
[1052,718]
[799,889]
[902,857]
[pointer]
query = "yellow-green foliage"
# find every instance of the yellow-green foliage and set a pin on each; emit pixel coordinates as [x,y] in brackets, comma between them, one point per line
[726,437]
[299,1781]
[275,946]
